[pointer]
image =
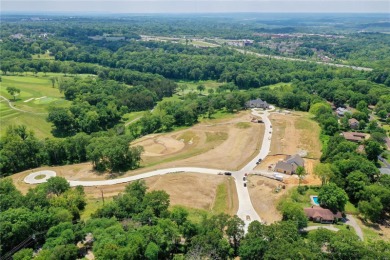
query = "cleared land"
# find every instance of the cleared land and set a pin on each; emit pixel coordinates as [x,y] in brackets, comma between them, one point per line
[293,133]
[220,144]
[192,190]
[212,144]
[265,198]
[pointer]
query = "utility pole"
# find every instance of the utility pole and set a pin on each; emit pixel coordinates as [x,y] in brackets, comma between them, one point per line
[101,190]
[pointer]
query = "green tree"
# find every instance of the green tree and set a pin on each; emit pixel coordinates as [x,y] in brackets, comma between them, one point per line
[13,91]
[151,252]
[158,201]
[301,172]
[333,197]
[200,88]
[373,150]
[57,185]
[24,254]
[235,232]
[371,209]
[294,212]
[324,172]
[356,182]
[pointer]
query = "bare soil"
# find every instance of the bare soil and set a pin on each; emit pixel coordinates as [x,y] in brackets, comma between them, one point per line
[293,133]
[264,198]
[192,190]
[213,144]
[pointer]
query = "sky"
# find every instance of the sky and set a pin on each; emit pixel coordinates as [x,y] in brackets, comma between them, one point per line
[196,6]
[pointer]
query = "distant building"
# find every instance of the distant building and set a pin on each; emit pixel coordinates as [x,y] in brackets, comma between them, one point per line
[290,164]
[257,103]
[353,123]
[340,111]
[17,36]
[321,215]
[355,137]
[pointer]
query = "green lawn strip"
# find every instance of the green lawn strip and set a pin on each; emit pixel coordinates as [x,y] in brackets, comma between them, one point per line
[128,117]
[351,209]
[285,86]
[45,56]
[220,202]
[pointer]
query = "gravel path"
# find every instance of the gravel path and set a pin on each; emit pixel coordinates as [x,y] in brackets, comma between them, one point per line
[351,221]
[18,109]
[332,228]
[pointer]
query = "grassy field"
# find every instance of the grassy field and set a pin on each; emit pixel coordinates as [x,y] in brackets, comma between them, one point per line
[45,56]
[36,95]
[192,86]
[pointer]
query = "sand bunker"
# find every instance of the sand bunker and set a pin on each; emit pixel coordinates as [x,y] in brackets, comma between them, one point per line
[157,146]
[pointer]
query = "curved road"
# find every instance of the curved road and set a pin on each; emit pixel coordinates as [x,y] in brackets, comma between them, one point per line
[245,211]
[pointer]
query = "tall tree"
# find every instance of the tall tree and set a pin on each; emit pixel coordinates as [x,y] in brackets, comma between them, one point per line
[301,172]
[13,91]
[324,172]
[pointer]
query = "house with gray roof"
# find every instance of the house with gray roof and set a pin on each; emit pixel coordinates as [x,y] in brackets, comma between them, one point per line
[257,103]
[290,164]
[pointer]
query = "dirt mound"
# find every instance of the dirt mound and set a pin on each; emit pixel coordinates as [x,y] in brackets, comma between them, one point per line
[160,145]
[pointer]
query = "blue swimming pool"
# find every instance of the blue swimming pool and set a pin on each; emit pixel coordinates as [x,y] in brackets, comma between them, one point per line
[315,200]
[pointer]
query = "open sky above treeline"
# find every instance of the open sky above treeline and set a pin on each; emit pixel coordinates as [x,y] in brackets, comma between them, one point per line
[197,6]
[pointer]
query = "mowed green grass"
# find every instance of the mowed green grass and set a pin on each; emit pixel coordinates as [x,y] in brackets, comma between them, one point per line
[39,93]
[192,86]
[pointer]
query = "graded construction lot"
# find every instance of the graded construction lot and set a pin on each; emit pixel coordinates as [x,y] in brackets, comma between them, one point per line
[293,133]
[220,144]
[265,198]
[213,144]
[216,194]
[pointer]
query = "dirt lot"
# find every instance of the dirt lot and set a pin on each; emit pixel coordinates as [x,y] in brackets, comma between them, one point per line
[213,144]
[293,133]
[264,198]
[217,144]
[192,190]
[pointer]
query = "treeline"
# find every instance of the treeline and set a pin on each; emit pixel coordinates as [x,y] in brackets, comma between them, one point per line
[140,225]
[108,151]
[98,105]
[173,61]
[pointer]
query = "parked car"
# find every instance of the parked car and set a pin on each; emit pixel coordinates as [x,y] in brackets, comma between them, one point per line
[243,178]
[246,174]
[244,184]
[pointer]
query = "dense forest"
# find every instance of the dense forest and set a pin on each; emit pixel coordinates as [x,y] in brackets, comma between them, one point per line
[127,74]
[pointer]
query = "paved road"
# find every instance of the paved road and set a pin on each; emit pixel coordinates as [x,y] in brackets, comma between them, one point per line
[245,211]
[302,60]
[245,204]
